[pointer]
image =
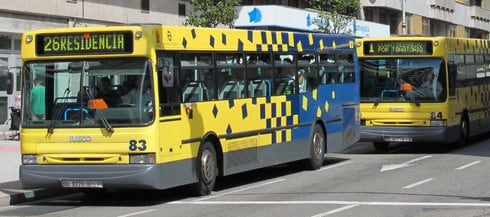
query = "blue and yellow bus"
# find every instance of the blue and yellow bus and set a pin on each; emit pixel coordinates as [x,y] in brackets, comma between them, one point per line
[423,89]
[154,107]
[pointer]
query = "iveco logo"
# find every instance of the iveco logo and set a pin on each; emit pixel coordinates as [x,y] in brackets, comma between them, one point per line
[397,109]
[80,138]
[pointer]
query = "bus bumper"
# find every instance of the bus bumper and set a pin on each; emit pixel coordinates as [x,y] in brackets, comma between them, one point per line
[111,176]
[407,134]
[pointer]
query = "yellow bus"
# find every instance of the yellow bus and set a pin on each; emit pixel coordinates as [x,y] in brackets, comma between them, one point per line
[423,89]
[154,107]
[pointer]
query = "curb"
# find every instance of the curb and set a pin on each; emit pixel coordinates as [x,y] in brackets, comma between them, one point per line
[28,195]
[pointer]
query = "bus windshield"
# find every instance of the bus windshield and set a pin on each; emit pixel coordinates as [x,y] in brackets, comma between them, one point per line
[404,79]
[87,93]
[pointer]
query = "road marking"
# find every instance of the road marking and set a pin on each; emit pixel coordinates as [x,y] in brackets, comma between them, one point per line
[418,183]
[138,213]
[363,203]
[387,167]
[336,210]
[239,190]
[336,165]
[468,165]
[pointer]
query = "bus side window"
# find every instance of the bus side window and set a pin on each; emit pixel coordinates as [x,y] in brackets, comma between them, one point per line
[328,69]
[346,68]
[453,73]
[230,77]
[167,85]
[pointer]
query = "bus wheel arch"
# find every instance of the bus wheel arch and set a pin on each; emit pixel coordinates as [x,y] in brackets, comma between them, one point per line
[213,139]
[317,147]
[207,166]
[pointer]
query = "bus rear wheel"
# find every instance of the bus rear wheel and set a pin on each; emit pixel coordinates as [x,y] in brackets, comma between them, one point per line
[206,169]
[317,149]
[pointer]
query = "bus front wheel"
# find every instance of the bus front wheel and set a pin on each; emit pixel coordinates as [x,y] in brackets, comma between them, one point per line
[317,149]
[206,169]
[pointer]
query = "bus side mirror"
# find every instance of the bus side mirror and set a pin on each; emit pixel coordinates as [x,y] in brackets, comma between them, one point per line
[10,83]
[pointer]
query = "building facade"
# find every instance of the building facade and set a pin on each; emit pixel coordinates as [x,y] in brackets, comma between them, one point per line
[454,18]
[462,18]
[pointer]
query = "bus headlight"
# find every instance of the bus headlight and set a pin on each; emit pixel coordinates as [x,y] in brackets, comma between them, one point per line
[29,159]
[142,158]
[437,123]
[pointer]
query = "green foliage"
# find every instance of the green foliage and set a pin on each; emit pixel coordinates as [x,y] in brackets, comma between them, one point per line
[344,7]
[211,13]
[333,23]
[335,15]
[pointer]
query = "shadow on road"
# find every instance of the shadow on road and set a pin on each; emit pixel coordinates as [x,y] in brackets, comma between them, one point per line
[477,146]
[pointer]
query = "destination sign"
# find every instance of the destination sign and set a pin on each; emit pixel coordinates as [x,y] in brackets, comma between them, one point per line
[398,48]
[84,43]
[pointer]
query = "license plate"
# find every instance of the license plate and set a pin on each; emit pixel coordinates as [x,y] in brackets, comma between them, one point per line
[81,184]
[398,139]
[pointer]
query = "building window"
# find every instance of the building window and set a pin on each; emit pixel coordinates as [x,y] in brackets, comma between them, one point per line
[425,26]
[247,2]
[181,9]
[368,14]
[394,22]
[451,30]
[71,1]
[383,18]
[408,23]
[5,42]
[293,3]
[475,3]
[145,6]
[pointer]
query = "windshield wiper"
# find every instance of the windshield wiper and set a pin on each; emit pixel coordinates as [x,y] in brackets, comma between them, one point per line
[376,103]
[99,114]
[413,99]
[59,111]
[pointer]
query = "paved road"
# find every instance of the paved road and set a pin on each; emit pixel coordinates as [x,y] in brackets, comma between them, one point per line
[418,180]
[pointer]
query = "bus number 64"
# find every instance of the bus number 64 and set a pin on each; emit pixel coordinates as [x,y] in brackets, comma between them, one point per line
[137,145]
[434,116]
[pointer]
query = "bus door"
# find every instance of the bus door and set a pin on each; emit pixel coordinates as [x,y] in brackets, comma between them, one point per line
[170,121]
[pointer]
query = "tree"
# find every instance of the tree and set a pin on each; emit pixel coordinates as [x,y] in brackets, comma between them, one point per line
[211,13]
[335,15]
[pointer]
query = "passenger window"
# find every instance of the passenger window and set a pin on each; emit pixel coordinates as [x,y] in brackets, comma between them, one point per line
[328,69]
[230,76]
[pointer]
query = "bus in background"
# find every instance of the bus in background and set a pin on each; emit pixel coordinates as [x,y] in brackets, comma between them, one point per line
[423,89]
[154,107]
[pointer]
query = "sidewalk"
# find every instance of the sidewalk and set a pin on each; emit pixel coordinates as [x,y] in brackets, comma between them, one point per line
[11,191]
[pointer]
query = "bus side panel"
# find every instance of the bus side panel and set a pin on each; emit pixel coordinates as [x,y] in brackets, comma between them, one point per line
[266,156]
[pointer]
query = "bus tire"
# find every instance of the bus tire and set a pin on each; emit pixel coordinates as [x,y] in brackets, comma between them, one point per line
[464,131]
[317,149]
[206,169]
[381,146]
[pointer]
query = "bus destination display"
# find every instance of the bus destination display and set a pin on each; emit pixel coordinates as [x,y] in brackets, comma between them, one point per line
[398,48]
[84,43]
